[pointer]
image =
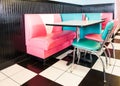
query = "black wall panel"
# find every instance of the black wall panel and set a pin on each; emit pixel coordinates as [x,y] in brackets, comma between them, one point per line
[12,40]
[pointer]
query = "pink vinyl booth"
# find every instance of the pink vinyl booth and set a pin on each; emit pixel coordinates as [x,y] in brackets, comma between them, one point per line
[43,41]
[107,17]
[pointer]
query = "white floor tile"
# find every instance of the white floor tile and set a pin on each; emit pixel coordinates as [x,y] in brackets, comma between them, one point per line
[116,46]
[112,61]
[69,79]
[61,65]
[79,70]
[116,71]
[23,76]
[64,54]
[12,70]
[117,37]
[52,73]
[2,76]
[8,82]
[117,62]
[98,66]
[100,53]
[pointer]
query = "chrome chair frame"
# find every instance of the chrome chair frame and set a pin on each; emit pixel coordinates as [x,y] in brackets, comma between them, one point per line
[95,52]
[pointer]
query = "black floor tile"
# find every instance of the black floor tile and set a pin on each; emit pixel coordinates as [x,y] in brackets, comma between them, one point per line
[51,61]
[40,81]
[111,53]
[68,57]
[29,61]
[88,64]
[118,34]
[82,62]
[37,66]
[116,40]
[95,78]
[117,54]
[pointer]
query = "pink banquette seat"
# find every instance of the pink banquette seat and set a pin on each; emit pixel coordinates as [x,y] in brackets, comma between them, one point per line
[43,41]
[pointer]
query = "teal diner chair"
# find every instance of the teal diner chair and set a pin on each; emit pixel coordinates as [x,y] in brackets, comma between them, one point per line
[93,47]
[98,37]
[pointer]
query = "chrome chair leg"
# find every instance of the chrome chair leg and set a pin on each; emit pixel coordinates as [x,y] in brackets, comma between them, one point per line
[85,54]
[103,65]
[103,69]
[113,50]
[79,55]
[106,59]
[91,58]
[73,61]
[109,55]
[86,59]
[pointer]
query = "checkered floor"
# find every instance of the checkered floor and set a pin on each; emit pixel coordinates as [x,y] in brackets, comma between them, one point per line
[31,72]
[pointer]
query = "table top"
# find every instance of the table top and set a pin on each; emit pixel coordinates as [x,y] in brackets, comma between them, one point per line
[74,23]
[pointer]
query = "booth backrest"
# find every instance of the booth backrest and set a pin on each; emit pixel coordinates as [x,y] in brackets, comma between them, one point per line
[51,18]
[90,16]
[70,16]
[115,28]
[107,17]
[93,28]
[35,25]
[78,16]
[34,21]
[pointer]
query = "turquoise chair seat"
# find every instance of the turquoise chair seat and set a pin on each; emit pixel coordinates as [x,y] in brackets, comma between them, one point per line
[87,44]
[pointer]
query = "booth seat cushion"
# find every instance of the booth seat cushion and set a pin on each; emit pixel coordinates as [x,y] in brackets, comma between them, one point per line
[51,40]
[40,53]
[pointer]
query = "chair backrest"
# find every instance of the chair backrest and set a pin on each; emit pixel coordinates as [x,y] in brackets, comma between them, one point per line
[106,35]
[107,30]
